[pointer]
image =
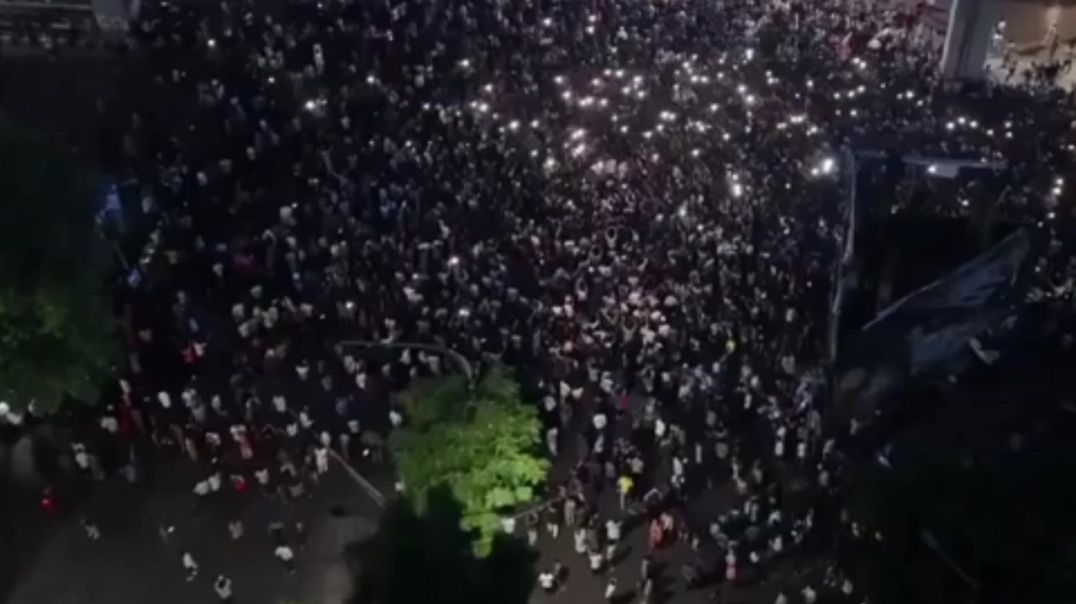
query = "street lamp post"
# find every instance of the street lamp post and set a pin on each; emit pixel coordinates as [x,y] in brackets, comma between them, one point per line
[460,360]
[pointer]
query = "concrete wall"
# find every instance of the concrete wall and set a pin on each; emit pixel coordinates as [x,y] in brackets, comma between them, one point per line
[971,26]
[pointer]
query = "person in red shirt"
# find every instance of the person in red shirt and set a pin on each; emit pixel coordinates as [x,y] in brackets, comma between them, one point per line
[656,534]
[48,501]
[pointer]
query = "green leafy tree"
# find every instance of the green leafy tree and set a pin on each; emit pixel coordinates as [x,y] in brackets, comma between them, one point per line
[480,443]
[429,557]
[56,330]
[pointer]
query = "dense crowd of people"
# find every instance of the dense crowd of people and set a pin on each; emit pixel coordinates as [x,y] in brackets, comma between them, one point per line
[634,202]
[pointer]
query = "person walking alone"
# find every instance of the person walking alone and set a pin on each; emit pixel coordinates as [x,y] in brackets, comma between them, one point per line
[286,555]
[223,587]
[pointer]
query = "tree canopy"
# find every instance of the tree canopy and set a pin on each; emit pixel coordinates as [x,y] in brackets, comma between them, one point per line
[482,444]
[56,330]
[417,558]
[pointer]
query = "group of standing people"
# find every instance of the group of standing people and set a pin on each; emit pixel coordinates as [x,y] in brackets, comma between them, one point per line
[635,203]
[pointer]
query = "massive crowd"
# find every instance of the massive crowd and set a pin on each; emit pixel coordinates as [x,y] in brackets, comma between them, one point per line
[636,202]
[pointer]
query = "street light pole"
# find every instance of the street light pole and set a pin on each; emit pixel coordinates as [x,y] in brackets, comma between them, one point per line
[460,360]
[932,542]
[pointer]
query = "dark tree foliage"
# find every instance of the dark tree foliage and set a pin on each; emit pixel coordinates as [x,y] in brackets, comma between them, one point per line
[977,504]
[430,557]
[56,328]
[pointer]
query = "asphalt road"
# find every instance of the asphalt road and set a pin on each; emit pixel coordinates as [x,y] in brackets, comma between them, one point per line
[131,564]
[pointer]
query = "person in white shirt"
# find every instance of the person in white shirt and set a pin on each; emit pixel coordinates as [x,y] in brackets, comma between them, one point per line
[92,532]
[223,587]
[286,555]
[190,566]
[610,589]
[508,524]
[547,581]
[595,558]
[321,457]
[612,538]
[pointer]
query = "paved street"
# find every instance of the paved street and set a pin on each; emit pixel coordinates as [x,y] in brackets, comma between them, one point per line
[131,564]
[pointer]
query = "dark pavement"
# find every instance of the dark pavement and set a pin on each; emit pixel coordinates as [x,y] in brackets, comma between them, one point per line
[131,564]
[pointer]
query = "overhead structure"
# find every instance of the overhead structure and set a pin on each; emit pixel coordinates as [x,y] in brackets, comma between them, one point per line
[972,24]
[110,18]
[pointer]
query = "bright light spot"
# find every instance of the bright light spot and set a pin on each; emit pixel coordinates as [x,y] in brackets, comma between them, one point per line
[454,261]
[513,125]
[737,189]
